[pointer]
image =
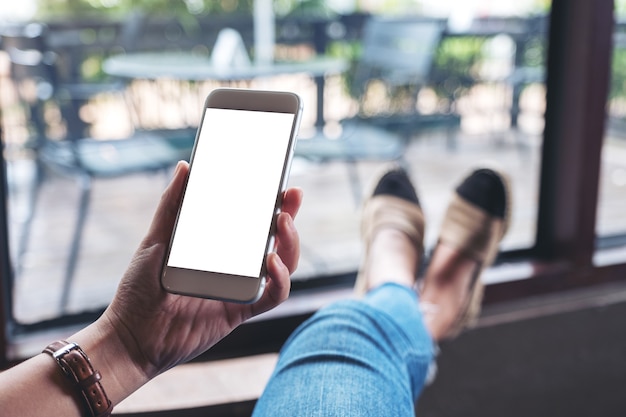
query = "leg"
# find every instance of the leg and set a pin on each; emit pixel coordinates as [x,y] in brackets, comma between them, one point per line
[475,222]
[446,286]
[371,357]
[366,357]
[354,358]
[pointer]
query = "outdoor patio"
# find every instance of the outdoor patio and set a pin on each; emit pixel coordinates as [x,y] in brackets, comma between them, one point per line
[121,209]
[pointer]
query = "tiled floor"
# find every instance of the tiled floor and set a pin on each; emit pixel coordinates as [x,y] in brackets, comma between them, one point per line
[328,222]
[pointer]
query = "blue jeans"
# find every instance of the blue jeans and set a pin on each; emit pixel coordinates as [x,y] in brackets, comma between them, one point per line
[366,357]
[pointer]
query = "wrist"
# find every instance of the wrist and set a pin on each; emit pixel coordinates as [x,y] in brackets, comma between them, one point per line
[76,366]
[120,371]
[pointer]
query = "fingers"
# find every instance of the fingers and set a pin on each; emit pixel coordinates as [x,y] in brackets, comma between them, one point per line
[280,282]
[165,216]
[292,200]
[278,286]
[282,263]
[288,242]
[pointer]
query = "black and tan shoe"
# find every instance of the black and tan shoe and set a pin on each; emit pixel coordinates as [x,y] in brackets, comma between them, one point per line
[475,222]
[394,204]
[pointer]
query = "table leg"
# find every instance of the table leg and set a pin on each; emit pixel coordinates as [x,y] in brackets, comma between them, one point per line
[320,119]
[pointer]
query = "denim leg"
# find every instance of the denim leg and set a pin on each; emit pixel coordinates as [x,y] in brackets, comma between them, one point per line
[353,358]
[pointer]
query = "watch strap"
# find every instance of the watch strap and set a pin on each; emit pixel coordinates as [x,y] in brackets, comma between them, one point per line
[77,367]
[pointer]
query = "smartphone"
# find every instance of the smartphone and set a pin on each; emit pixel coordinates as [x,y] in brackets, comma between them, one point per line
[238,171]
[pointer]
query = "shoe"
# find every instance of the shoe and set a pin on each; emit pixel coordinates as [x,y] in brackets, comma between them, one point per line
[475,222]
[393,203]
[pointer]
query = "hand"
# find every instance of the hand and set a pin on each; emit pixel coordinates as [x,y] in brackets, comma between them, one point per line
[161,330]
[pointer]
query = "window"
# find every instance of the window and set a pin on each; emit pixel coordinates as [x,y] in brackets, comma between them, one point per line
[484,100]
[612,198]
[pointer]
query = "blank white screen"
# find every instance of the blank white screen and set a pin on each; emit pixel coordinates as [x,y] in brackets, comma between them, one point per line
[228,205]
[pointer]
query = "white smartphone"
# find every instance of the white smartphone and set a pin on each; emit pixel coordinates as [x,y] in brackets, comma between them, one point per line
[238,171]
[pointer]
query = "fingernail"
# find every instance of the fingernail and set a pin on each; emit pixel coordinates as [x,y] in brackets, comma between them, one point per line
[179,164]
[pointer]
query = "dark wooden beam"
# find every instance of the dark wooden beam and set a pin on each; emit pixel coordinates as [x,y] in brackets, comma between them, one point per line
[578,75]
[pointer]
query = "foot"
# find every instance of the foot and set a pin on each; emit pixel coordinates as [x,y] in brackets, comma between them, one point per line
[473,226]
[393,229]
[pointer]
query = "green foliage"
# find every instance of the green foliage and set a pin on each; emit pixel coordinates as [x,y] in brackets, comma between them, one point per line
[534,52]
[618,70]
[350,51]
[459,54]
[618,74]
[454,64]
[620,8]
[317,8]
[118,8]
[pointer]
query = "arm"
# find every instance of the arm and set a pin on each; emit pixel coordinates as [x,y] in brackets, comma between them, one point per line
[145,330]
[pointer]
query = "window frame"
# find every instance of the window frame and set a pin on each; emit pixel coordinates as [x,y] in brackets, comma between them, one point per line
[579,54]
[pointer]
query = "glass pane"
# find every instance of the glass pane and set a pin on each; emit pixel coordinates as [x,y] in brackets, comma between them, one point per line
[612,199]
[464,88]
[482,102]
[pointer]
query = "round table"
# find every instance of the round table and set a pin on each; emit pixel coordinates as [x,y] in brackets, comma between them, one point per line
[190,67]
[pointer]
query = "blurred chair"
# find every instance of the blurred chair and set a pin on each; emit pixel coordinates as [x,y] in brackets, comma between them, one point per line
[83,159]
[395,65]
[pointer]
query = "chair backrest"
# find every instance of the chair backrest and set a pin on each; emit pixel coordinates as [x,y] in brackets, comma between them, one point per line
[398,51]
[32,71]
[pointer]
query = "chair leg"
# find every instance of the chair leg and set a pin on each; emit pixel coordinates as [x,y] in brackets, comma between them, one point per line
[33,197]
[83,206]
[451,140]
[355,181]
